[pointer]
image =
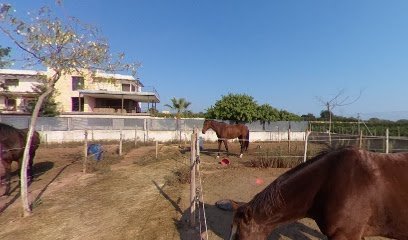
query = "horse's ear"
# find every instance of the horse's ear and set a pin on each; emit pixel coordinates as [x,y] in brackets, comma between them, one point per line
[228,204]
[236,205]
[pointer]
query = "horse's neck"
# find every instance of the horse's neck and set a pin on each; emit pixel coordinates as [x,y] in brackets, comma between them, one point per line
[291,196]
[215,126]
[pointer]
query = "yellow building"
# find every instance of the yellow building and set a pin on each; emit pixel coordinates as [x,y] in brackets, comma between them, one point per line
[99,93]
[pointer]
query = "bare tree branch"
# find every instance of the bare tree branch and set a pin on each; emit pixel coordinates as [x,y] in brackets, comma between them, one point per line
[337,101]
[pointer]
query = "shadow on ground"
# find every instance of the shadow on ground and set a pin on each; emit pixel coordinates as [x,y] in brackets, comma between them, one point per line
[218,222]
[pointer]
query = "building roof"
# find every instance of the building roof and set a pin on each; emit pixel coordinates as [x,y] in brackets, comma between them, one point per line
[137,96]
[102,74]
[21,72]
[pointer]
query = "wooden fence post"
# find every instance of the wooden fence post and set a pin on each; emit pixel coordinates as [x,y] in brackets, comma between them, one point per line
[136,136]
[85,151]
[197,147]
[306,142]
[192,179]
[387,140]
[120,143]
[288,140]
[360,142]
[146,130]
[157,149]
[92,134]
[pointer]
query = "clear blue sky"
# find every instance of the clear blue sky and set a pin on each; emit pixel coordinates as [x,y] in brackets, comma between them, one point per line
[284,53]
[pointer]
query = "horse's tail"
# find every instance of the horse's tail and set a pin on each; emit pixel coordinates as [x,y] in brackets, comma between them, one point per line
[247,140]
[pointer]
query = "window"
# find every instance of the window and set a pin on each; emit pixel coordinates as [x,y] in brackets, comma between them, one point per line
[75,104]
[9,83]
[125,87]
[77,83]
[11,104]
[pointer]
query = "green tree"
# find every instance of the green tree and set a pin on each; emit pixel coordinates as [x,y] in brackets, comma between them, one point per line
[267,113]
[288,116]
[308,117]
[49,107]
[179,105]
[236,107]
[4,53]
[325,115]
[64,46]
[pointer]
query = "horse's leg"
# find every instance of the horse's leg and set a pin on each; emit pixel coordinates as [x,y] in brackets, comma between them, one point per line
[242,144]
[219,148]
[5,182]
[3,178]
[226,146]
[30,175]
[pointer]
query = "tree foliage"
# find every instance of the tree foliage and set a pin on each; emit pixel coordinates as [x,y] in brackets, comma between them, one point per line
[288,116]
[267,113]
[236,107]
[50,107]
[309,117]
[4,62]
[243,108]
[179,105]
[4,53]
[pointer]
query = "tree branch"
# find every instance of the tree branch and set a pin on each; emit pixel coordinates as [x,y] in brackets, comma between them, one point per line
[19,45]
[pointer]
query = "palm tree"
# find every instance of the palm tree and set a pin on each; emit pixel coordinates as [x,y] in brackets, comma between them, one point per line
[180,105]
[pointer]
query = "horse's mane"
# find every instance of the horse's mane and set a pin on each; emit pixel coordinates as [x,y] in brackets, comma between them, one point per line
[271,197]
[7,130]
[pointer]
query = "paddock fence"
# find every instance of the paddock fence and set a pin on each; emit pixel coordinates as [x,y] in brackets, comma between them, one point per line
[71,129]
[147,129]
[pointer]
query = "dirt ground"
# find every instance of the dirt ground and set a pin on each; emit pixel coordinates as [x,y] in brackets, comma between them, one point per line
[134,196]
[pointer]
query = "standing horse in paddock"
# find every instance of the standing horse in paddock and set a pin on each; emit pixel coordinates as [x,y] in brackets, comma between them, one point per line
[12,144]
[350,193]
[227,131]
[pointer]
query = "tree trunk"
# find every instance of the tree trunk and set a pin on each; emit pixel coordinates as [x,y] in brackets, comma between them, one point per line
[26,156]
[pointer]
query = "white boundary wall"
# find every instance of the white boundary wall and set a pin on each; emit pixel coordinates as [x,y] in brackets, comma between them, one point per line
[160,136]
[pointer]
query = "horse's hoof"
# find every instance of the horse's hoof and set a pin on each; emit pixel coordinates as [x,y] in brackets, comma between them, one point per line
[240,156]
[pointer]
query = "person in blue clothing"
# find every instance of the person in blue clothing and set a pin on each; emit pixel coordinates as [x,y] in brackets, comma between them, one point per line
[96,151]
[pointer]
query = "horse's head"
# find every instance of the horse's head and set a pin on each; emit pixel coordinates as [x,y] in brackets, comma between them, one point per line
[244,226]
[206,126]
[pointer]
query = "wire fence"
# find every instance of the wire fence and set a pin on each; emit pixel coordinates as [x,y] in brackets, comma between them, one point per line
[153,124]
[170,129]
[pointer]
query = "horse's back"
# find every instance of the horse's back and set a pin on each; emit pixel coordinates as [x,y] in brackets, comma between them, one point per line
[366,190]
[35,142]
[391,193]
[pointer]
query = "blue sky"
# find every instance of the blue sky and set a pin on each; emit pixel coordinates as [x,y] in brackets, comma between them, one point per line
[284,53]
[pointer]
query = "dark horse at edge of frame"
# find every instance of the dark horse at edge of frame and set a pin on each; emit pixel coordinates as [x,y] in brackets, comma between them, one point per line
[12,144]
[226,131]
[350,193]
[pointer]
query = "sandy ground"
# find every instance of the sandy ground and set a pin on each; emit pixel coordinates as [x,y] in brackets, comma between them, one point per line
[133,198]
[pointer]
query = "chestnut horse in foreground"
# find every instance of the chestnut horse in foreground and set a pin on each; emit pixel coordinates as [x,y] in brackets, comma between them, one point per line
[350,193]
[226,131]
[12,144]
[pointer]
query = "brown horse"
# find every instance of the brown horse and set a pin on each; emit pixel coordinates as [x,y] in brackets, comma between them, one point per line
[12,144]
[227,131]
[350,193]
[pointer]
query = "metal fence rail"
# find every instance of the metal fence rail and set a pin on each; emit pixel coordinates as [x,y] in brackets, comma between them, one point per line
[152,124]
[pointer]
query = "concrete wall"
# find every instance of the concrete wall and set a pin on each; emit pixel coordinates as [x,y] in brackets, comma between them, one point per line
[161,136]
